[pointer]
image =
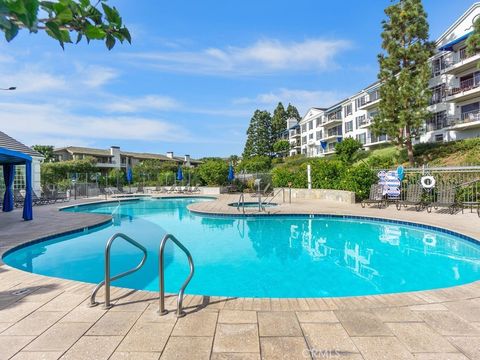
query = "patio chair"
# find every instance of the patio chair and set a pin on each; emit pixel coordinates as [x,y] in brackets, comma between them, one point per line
[413,198]
[376,196]
[445,198]
[40,200]
[19,199]
[60,196]
[194,189]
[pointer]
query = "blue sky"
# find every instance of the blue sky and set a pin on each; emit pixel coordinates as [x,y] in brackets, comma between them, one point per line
[195,72]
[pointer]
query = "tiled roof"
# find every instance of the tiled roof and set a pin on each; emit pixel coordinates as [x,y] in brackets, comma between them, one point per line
[10,143]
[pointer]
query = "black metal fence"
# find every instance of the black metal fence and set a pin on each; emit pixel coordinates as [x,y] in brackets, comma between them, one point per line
[462,181]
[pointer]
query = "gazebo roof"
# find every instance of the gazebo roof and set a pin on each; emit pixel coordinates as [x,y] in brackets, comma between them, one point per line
[14,152]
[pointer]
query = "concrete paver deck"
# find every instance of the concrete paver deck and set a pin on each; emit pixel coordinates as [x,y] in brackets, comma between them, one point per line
[48,318]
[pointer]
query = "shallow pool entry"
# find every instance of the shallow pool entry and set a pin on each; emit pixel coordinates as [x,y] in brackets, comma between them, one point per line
[258,256]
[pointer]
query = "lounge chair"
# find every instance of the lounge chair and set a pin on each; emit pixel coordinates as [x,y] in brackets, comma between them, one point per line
[60,196]
[413,198]
[41,200]
[376,196]
[445,198]
[19,199]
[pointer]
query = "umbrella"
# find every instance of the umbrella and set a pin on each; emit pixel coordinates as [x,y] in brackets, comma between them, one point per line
[179,174]
[231,173]
[129,175]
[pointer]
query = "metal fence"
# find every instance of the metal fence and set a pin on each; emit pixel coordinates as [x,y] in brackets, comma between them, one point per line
[463,181]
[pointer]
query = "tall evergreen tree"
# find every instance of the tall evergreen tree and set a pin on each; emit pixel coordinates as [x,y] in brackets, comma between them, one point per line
[259,135]
[404,73]
[292,112]
[279,119]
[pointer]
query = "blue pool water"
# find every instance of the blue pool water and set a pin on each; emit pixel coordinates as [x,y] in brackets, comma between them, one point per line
[284,256]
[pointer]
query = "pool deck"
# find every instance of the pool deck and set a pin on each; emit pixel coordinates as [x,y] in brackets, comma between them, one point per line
[48,318]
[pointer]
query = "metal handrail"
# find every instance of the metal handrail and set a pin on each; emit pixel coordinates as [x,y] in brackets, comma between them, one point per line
[282,190]
[162,310]
[241,200]
[109,279]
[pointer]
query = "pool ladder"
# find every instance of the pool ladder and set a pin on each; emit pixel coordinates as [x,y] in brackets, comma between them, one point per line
[161,260]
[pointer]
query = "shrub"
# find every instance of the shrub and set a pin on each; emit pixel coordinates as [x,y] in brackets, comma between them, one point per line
[358,179]
[347,149]
[214,172]
[256,164]
[281,146]
[326,174]
[281,176]
[54,172]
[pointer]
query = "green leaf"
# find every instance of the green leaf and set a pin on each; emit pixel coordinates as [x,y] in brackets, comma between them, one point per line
[110,42]
[11,33]
[126,34]
[94,33]
[112,15]
[79,38]
[65,16]
[54,31]
[17,7]
[5,23]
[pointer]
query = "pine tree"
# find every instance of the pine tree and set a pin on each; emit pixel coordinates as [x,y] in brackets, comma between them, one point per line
[292,113]
[404,73]
[279,119]
[259,135]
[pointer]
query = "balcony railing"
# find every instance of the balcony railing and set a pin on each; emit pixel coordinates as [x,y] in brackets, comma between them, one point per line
[465,85]
[363,120]
[437,125]
[375,139]
[464,118]
[458,57]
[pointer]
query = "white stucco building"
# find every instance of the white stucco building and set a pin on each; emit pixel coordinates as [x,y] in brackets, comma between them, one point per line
[455,102]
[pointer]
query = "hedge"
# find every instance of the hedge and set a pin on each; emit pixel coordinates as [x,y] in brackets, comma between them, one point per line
[327,174]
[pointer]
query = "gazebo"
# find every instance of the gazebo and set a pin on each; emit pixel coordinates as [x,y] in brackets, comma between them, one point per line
[10,158]
[12,154]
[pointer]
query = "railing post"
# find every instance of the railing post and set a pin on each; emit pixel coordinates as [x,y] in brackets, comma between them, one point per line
[161,278]
[107,304]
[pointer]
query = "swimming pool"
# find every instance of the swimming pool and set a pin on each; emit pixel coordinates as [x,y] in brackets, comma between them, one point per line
[262,256]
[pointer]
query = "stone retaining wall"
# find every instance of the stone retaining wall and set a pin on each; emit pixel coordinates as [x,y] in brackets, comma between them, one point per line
[347,197]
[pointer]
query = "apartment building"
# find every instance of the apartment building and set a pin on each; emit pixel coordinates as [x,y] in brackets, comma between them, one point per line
[115,158]
[454,106]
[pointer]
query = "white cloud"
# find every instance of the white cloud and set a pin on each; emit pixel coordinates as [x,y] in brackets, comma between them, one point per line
[146,103]
[31,79]
[36,123]
[96,76]
[302,99]
[264,56]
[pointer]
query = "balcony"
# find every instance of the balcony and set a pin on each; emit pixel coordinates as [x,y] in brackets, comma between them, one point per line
[376,140]
[295,143]
[334,133]
[468,89]
[364,122]
[467,120]
[332,121]
[370,101]
[461,61]
[294,133]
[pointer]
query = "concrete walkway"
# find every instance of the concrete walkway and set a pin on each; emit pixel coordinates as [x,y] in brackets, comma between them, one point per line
[48,318]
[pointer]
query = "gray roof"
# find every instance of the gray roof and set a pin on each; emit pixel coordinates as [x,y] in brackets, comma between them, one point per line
[106,152]
[10,143]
